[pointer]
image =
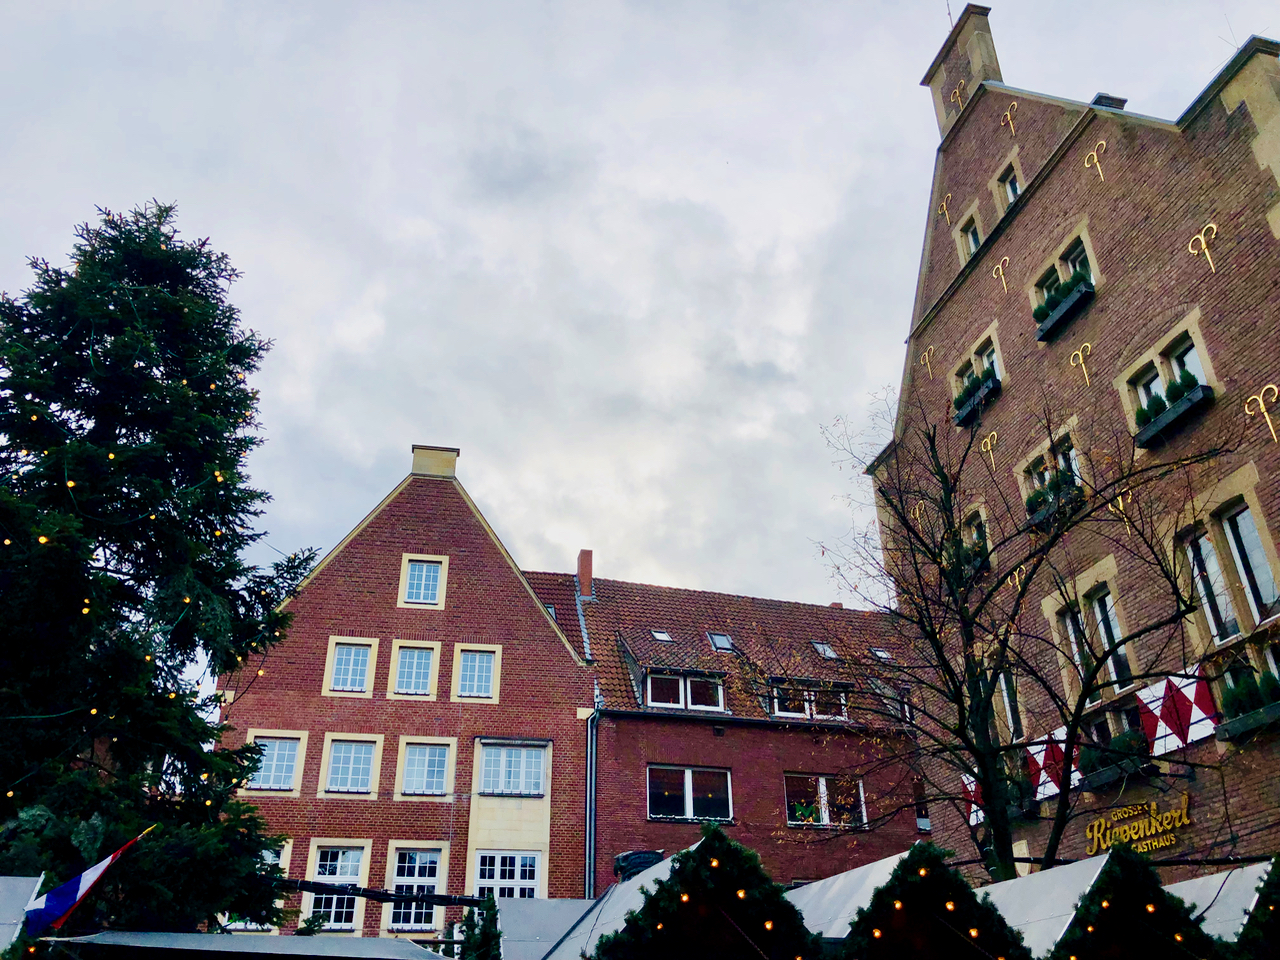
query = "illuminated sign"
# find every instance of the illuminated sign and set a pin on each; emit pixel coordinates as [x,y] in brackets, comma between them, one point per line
[1142,825]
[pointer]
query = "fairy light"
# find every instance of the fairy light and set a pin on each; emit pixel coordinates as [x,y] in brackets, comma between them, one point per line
[93,711]
[1105,904]
[768,924]
[715,862]
[186,599]
[1151,908]
[172,695]
[208,803]
[950,905]
[742,894]
[10,794]
[924,871]
[42,539]
[684,897]
[1089,929]
[1178,937]
[111,456]
[71,483]
[973,932]
[263,673]
[7,541]
[897,904]
[875,932]
[659,927]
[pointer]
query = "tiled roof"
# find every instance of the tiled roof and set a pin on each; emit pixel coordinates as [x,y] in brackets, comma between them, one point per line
[771,638]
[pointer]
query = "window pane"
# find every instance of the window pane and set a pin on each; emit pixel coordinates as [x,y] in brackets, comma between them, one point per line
[790,700]
[1251,561]
[704,693]
[337,865]
[350,767]
[424,768]
[1211,585]
[424,582]
[721,641]
[476,674]
[1009,688]
[492,770]
[350,667]
[1188,359]
[664,690]
[412,867]
[802,799]
[533,771]
[828,703]
[844,801]
[413,672]
[711,794]
[279,757]
[1109,625]
[666,792]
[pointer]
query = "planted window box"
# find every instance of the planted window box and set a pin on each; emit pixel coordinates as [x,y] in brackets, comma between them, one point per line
[1063,305]
[1128,754]
[1249,705]
[1255,719]
[977,393]
[1158,420]
[1061,497]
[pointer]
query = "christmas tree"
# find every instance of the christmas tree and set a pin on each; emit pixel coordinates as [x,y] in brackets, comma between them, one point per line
[125,510]
[1261,932]
[717,902]
[480,937]
[1127,912]
[927,911]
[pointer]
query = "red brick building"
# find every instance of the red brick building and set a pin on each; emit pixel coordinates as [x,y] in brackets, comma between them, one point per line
[436,719]
[1066,239]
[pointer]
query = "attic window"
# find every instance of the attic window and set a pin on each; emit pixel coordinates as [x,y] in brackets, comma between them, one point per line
[882,654]
[825,650]
[551,609]
[720,641]
[662,636]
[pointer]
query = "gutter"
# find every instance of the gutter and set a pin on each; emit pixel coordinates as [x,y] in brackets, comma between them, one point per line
[589,839]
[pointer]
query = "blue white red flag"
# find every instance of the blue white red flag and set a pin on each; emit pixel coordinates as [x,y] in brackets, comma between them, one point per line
[52,909]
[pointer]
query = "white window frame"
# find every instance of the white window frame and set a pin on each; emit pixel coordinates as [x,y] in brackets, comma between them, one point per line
[715,638]
[1007,678]
[1246,564]
[496,884]
[688,693]
[361,866]
[801,692]
[880,653]
[648,690]
[1073,624]
[430,748]
[358,747]
[476,657]
[296,743]
[1012,189]
[413,885]
[824,649]
[1103,605]
[972,236]
[373,740]
[1216,604]
[662,636]
[356,651]
[439,561]
[433,667]
[824,806]
[688,791]
[502,754]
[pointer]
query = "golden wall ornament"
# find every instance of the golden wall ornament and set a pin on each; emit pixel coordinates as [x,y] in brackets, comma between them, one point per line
[1007,119]
[942,208]
[1091,158]
[1203,237]
[1119,508]
[989,445]
[998,272]
[957,95]
[1019,576]
[917,511]
[1269,393]
[1077,359]
[926,359]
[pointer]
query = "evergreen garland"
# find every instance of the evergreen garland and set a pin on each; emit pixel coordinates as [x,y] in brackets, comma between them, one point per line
[928,911]
[1127,913]
[717,902]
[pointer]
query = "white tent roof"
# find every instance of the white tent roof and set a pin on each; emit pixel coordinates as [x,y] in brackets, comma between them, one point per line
[15,893]
[1041,905]
[828,906]
[609,913]
[1225,899]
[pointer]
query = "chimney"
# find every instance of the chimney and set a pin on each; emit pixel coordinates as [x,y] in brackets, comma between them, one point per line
[1107,100]
[435,461]
[585,587]
[968,55]
[837,605]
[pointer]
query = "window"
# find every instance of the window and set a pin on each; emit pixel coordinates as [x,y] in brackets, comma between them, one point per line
[279,758]
[416,872]
[972,239]
[923,824]
[818,703]
[551,611]
[1251,563]
[413,670]
[1185,357]
[1148,385]
[881,654]
[350,767]
[661,636]
[1048,284]
[1073,629]
[975,531]
[705,694]
[665,691]
[720,641]
[513,771]
[350,668]
[425,766]
[1077,259]
[1100,732]
[825,650]
[337,865]
[789,701]
[1009,691]
[476,676]
[507,876]
[990,361]
[824,801]
[689,793]
[268,859]
[1211,586]
[424,582]
[1104,609]
[1009,181]
[964,375]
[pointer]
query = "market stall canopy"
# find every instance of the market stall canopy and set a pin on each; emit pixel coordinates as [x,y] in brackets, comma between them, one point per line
[178,946]
[15,894]
[532,927]
[829,906]
[1225,899]
[1041,905]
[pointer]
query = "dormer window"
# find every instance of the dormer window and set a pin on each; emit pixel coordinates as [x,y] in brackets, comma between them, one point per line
[720,642]
[825,650]
[685,692]
[810,703]
[666,691]
[705,694]
[661,636]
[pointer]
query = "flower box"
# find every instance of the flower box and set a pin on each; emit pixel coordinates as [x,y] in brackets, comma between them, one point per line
[989,390]
[1072,304]
[1066,501]
[1231,729]
[1155,432]
[1127,767]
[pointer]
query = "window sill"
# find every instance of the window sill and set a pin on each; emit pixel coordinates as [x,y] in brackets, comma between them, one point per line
[510,796]
[1067,310]
[693,820]
[834,827]
[1174,418]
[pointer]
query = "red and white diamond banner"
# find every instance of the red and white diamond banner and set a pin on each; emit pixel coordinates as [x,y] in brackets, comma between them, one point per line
[1046,764]
[972,799]
[1177,712]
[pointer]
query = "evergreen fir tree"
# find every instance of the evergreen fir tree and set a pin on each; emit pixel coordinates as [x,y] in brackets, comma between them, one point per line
[928,911]
[1261,932]
[717,902]
[480,937]
[125,510]
[1128,913]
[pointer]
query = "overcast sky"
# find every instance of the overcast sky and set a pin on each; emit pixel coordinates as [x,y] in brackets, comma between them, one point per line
[628,257]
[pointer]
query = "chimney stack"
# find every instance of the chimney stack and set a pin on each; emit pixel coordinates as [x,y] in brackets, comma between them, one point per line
[435,461]
[968,56]
[585,587]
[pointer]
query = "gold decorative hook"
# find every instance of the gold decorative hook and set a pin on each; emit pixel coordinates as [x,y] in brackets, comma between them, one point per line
[1091,158]
[1007,119]
[1118,508]
[957,95]
[998,272]
[926,358]
[1019,575]
[989,445]
[1269,393]
[1204,236]
[942,208]
[1077,360]
[917,511]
